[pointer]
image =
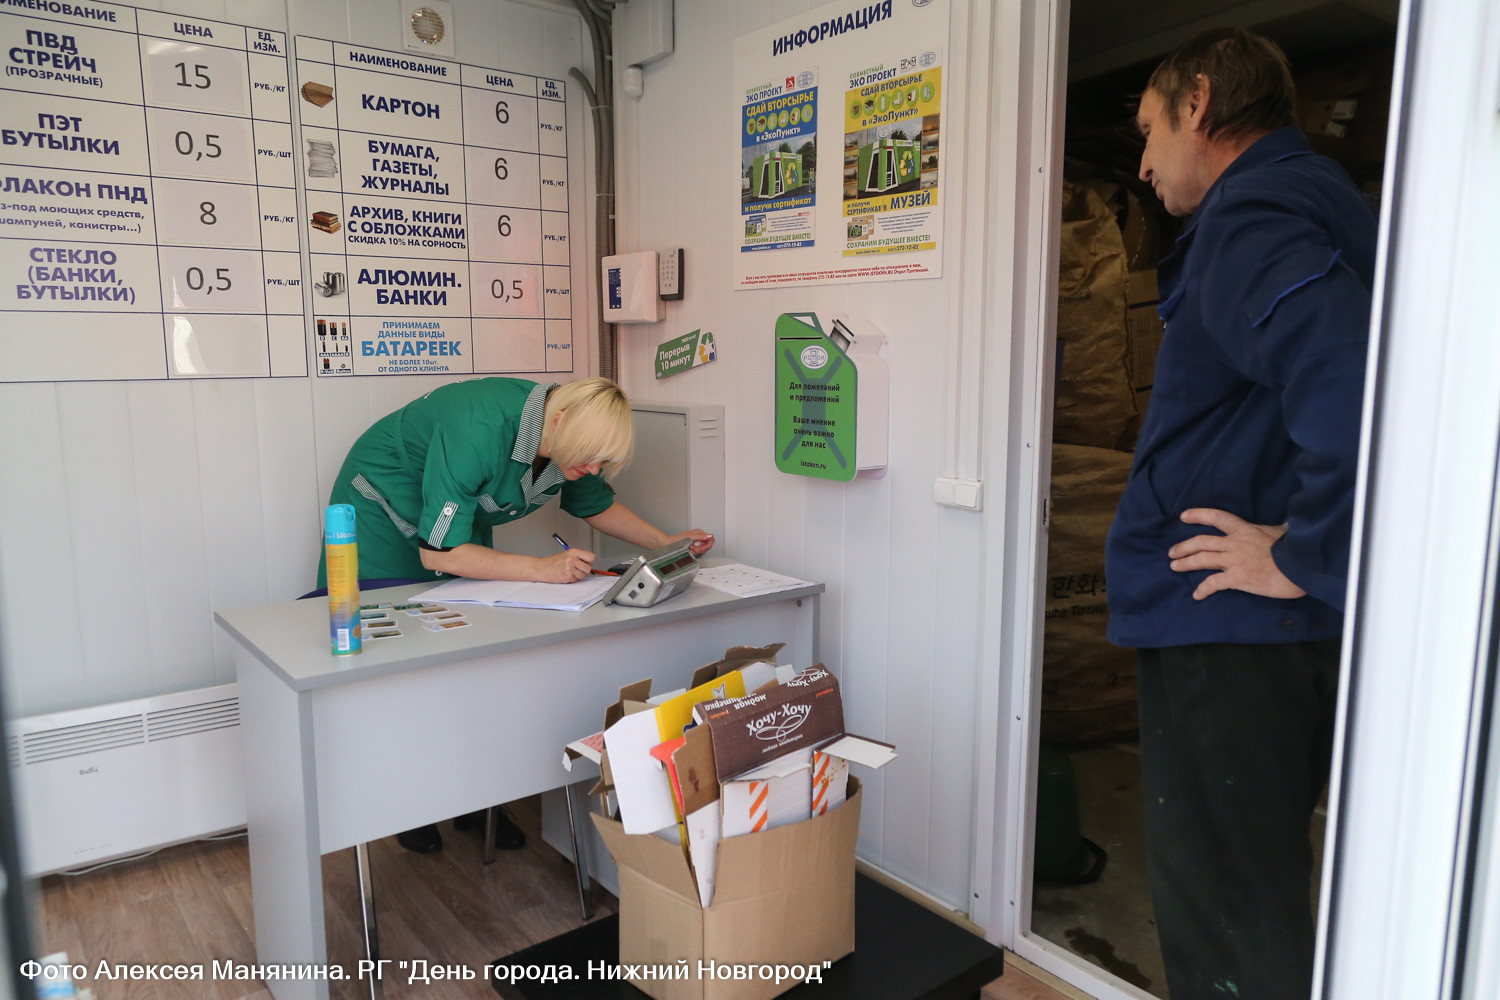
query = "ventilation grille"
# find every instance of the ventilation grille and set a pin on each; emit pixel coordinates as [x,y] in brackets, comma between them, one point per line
[169,723]
[709,427]
[73,741]
[127,730]
[427,25]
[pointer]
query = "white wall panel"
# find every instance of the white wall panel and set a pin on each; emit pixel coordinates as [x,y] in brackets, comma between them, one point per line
[230,470]
[98,469]
[130,510]
[292,538]
[41,591]
[905,577]
[175,570]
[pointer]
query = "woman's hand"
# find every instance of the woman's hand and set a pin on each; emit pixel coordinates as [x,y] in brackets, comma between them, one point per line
[702,540]
[623,523]
[565,567]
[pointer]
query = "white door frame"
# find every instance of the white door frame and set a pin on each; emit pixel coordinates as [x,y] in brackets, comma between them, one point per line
[1030,51]
[1395,856]
[1018,440]
[1402,812]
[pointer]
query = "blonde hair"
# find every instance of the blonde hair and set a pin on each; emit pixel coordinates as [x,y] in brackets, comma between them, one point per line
[595,427]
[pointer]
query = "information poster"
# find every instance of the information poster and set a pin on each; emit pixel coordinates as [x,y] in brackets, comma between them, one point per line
[892,132]
[871,199]
[437,205]
[778,159]
[148,212]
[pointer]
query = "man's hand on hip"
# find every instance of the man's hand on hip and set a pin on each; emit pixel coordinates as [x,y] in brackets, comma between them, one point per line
[1242,556]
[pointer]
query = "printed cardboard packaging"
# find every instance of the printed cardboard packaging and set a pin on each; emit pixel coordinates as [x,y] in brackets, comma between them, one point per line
[782,897]
[801,714]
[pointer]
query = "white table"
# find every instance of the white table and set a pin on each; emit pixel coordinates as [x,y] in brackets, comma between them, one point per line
[340,751]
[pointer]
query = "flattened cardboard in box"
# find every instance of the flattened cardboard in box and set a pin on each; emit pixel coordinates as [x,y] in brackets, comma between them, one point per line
[801,714]
[736,658]
[783,896]
[642,784]
[756,805]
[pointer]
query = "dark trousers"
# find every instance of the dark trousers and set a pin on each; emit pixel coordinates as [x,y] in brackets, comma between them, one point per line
[1235,747]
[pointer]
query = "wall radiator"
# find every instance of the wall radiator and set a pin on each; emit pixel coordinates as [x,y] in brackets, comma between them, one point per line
[105,782]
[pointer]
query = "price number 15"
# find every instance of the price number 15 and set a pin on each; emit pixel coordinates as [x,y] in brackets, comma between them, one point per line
[199,78]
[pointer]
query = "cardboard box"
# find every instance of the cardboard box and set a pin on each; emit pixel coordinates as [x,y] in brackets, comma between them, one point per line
[783,896]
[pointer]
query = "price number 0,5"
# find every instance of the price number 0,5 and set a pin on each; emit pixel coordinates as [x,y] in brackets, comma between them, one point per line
[511,291]
[219,281]
[188,146]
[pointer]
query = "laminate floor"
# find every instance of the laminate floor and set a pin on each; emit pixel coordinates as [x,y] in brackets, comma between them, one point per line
[191,904]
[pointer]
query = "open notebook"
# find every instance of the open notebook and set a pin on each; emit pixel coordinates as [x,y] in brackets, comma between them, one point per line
[520,594]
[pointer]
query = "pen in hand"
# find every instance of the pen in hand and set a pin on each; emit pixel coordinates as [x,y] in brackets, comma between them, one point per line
[595,572]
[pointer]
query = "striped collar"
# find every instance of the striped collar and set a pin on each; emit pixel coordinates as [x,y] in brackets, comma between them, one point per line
[528,440]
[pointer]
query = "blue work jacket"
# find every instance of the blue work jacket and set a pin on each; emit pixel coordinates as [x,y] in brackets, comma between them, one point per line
[1256,403]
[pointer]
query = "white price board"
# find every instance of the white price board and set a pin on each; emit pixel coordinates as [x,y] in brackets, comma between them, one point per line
[148,211]
[437,214]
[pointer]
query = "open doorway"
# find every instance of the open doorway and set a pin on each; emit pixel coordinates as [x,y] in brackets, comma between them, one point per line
[1090,896]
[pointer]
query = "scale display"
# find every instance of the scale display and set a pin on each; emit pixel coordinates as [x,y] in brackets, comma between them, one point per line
[148,211]
[437,214]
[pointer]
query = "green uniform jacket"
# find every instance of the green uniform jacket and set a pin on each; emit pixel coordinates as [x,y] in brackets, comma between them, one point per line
[446,469]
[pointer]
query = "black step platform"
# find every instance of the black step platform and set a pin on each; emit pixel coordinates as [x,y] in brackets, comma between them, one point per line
[902,952]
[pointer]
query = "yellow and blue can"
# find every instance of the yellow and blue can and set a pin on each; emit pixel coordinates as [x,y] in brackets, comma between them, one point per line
[343,578]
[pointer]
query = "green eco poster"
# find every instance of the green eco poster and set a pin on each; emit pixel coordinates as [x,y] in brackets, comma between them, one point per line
[816,389]
[682,353]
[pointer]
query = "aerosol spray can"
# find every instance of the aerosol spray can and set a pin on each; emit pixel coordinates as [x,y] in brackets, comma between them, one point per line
[343,578]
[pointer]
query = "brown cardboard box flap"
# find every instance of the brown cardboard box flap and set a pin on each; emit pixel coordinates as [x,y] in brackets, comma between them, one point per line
[767,918]
[632,695]
[654,858]
[802,921]
[735,658]
[672,932]
[759,864]
[696,776]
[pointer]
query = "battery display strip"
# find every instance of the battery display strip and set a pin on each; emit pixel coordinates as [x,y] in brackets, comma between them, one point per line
[438,223]
[148,211]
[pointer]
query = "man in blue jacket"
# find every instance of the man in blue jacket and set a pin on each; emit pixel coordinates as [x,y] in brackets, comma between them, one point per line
[1228,555]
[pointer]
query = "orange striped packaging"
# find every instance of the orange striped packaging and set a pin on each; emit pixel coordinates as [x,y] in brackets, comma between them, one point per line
[766,803]
[830,780]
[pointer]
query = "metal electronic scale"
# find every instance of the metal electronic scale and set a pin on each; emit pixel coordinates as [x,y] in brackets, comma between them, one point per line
[655,576]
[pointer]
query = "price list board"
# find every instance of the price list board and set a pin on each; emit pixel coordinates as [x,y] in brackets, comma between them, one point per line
[436,214]
[148,212]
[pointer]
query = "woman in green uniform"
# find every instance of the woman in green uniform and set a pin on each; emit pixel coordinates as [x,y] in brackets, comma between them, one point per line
[430,481]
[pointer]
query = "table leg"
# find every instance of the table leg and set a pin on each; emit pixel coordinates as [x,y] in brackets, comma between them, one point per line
[491,817]
[580,866]
[367,915]
[281,802]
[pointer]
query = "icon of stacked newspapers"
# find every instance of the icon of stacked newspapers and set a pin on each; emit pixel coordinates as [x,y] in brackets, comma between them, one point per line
[321,161]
